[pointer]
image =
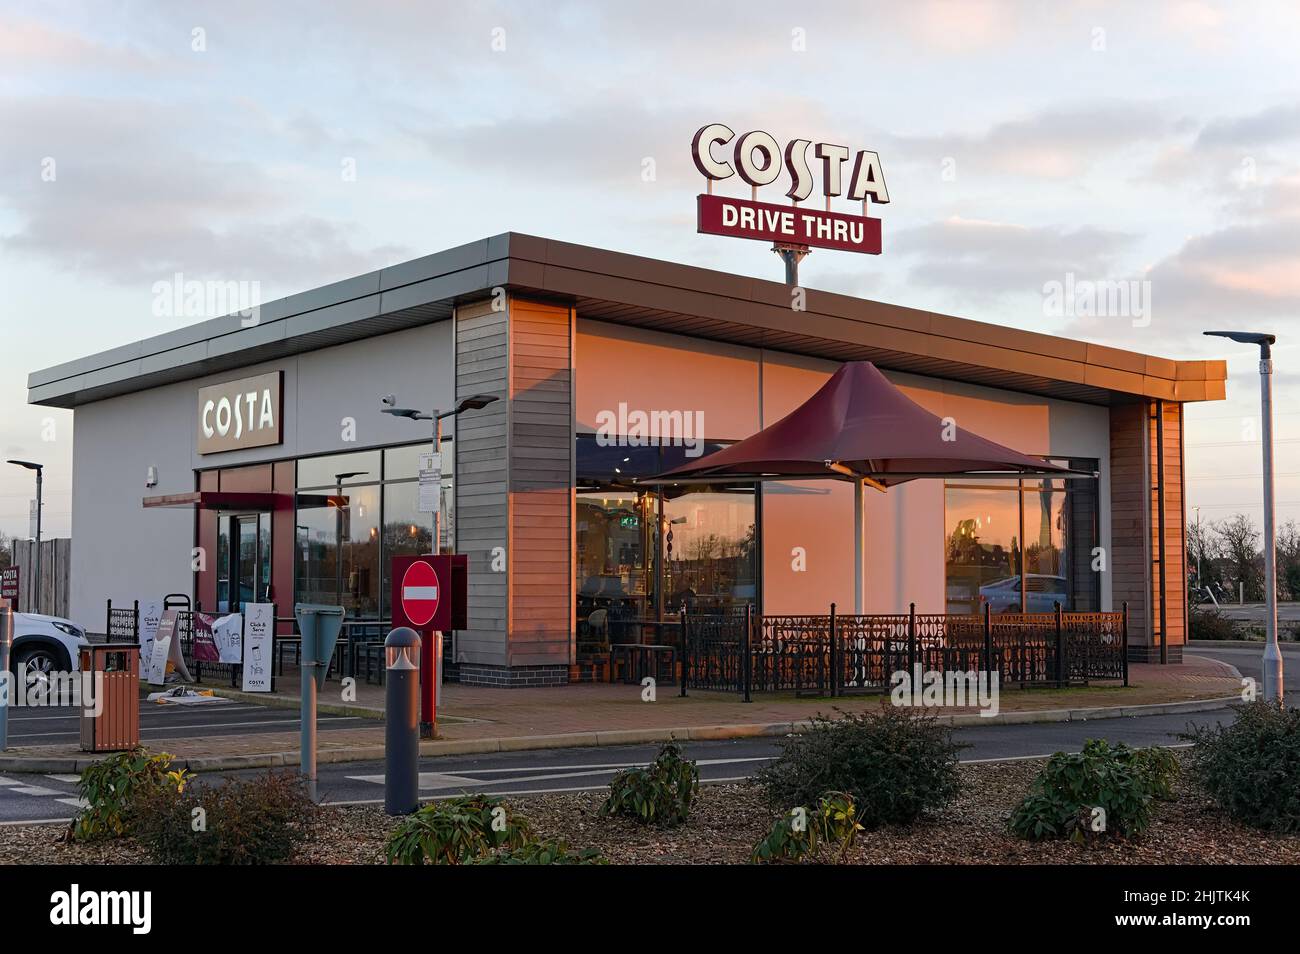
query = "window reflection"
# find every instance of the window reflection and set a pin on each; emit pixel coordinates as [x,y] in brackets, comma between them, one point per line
[1022,545]
[639,558]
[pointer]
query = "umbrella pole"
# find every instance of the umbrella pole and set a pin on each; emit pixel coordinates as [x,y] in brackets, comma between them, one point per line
[858,557]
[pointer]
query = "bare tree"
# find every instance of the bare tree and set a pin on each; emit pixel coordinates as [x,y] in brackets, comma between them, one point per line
[6,550]
[1239,540]
[1288,560]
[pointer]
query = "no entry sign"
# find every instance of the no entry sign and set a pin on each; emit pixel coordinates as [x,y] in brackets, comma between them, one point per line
[420,593]
[429,592]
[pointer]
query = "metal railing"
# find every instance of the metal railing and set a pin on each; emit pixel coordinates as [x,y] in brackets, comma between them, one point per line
[833,655]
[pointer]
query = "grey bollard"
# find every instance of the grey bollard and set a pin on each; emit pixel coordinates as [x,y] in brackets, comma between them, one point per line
[402,722]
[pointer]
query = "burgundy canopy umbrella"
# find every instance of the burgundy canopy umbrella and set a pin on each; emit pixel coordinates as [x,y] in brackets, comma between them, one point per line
[861,428]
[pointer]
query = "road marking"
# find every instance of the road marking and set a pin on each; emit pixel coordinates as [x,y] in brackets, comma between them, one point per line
[9,781]
[427,780]
[74,779]
[77,803]
[33,790]
[528,791]
[609,765]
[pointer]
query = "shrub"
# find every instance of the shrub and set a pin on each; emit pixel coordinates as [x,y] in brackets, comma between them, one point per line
[111,786]
[457,830]
[256,821]
[895,765]
[802,831]
[660,794]
[550,852]
[1211,624]
[1251,768]
[1097,793]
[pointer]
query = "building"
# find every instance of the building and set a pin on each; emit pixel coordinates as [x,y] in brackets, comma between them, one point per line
[247,435]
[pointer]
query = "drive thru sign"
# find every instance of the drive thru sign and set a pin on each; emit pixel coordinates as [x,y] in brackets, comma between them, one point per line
[420,593]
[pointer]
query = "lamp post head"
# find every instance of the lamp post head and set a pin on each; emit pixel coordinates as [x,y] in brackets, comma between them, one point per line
[410,412]
[475,402]
[1248,337]
[28,464]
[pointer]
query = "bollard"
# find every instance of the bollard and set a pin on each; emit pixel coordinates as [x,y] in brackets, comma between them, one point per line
[402,722]
[6,682]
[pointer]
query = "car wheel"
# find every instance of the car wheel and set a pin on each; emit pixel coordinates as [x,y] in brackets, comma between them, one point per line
[39,663]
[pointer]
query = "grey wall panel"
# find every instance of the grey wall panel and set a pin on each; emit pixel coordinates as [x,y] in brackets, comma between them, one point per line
[481,481]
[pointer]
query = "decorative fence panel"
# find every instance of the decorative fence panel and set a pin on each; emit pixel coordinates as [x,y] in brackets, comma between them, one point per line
[832,654]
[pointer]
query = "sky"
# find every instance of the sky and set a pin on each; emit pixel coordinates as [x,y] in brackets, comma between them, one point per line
[293,144]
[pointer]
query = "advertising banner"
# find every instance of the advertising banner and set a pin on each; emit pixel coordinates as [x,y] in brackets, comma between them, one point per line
[162,645]
[205,647]
[742,218]
[228,635]
[150,614]
[259,634]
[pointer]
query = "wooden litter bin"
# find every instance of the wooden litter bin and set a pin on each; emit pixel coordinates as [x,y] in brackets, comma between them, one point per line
[117,726]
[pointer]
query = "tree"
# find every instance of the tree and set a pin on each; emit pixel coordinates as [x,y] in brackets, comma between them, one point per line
[6,550]
[1288,560]
[1239,540]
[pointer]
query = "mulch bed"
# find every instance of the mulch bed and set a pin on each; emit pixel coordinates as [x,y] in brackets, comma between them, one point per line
[728,819]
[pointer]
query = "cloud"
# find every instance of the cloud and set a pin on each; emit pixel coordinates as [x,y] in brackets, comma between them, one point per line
[1051,144]
[134,196]
[984,259]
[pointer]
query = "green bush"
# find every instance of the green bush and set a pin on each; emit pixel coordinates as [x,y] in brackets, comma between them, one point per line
[802,831]
[257,821]
[1211,624]
[896,765]
[1098,793]
[1251,768]
[550,852]
[660,794]
[111,786]
[457,831]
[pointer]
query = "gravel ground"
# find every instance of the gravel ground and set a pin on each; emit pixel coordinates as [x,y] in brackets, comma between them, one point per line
[729,819]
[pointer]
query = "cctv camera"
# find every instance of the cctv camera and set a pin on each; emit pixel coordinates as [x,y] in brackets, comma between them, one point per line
[389,399]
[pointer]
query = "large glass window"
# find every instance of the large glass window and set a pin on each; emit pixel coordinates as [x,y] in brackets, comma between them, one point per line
[355,512]
[643,551]
[1022,546]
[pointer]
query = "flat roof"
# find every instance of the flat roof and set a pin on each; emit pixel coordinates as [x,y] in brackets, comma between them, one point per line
[645,292]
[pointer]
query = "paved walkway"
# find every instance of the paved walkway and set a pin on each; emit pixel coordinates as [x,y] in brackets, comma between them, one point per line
[471,716]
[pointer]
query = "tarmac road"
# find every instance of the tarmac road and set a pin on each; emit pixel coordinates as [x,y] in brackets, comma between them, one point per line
[41,797]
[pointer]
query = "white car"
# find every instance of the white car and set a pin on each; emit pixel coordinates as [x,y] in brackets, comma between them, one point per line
[46,644]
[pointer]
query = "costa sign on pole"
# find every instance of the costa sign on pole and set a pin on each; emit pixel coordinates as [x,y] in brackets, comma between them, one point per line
[758,159]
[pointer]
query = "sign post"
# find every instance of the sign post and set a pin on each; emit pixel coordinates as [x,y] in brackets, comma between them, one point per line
[429,596]
[320,627]
[6,681]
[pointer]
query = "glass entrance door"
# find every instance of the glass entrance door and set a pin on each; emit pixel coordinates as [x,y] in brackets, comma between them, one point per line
[244,558]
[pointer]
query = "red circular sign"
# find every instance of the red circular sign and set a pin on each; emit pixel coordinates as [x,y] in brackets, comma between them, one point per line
[421,592]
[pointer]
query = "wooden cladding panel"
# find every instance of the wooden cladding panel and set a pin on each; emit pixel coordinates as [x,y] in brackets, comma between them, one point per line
[541,492]
[1135,521]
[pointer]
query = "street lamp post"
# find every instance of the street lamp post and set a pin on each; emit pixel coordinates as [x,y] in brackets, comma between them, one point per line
[1274,688]
[338,529]
[427,656]
[40,471]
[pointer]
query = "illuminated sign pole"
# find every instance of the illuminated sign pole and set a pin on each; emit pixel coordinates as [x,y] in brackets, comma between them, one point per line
[793,230]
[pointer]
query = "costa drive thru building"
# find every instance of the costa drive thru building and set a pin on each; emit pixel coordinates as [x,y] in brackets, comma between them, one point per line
[262,444]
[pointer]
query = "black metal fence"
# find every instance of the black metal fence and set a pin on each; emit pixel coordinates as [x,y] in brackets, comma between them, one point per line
[833,655]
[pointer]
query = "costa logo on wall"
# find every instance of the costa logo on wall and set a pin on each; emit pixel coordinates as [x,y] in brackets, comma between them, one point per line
[759,160]
[239,414]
